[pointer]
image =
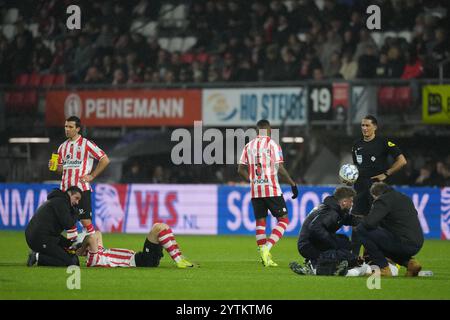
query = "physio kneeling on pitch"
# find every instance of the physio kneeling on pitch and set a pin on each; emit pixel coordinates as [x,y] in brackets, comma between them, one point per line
[326,252]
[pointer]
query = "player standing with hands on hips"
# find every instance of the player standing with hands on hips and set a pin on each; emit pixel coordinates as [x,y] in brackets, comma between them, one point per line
[75,161]
[370,155]
[260,163]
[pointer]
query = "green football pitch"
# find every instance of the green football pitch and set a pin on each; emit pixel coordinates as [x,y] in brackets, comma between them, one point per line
[229,269]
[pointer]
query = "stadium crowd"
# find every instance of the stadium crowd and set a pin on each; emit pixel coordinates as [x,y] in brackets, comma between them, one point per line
[238,40]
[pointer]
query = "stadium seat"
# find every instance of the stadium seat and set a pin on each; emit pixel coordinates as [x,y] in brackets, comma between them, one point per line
[48,80]
[175,44]
[150,29]
[405,35]
[11,16]
[403,97]
[22,79]
[9,31]
[137,25]
[14,100]
[35,80]
[60,80]
[288,4]
[29,102]
[164,43]
[188,43]
[34,29]
[179,16]
[166,15]
[378,38]
[187,58]
[50,44]
[386,98]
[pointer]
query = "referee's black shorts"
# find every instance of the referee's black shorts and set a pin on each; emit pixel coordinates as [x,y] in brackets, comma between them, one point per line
[84,206]
[276,205]
[363,200]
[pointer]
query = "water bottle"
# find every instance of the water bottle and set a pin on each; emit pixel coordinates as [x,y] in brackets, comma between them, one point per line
[55,159]
[426,273]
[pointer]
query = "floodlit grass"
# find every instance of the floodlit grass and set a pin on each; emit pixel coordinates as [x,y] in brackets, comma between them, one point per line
[229,269]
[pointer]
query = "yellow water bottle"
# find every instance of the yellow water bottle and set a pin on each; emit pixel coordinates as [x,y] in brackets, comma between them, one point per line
[55,159]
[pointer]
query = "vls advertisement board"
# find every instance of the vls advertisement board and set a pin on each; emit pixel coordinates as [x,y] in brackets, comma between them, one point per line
[201,209]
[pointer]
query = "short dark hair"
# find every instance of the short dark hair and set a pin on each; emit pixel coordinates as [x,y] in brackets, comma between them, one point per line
[378,188]
[371,118]
[263,124]
[76,120]
[74,189]
[344,193]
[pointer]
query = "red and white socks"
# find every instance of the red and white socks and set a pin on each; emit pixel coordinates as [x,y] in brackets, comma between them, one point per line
[167,240]
[72,233]
[277,232]
[261,232]
[90,230]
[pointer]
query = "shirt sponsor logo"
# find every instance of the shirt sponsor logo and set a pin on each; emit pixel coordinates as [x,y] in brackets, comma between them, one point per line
[69,164]
[260,181]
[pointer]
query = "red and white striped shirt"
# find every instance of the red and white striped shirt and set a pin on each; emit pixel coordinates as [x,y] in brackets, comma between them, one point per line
[77,158]
[262,156]
[110,258]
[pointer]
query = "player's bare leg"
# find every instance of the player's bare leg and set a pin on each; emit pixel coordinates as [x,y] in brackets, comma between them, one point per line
[163,235]
[91,243]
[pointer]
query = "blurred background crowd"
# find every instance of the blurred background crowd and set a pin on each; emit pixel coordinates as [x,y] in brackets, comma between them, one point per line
[214,41]
[162,43]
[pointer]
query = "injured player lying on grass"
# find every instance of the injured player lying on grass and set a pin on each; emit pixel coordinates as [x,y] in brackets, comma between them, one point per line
[159,237]
[342,269]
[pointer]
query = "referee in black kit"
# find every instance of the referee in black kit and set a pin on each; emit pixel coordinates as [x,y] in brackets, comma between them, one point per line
[370,154]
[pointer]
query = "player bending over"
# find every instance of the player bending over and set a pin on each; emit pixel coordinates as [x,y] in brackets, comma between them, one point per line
[160,236]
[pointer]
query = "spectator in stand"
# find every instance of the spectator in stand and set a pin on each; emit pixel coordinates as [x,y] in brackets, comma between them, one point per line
[158,175]
[282,31]
[21,58]
[332,44]
[395,63]
[443,174]
[367,63]
[332,70]
[425,175]
[108,68]
[119,77]
[365,41]
[83,55]
[94,76]
[134,175]
[289,65]
[41,57]
[349,41]
[105,40]
[272,71]
[414,66]
[308,64]
[318,74]
[382,66]
[349,67]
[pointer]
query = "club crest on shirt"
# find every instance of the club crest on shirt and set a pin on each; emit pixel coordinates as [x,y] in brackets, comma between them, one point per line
[391,144]
[359,158]
[373,159]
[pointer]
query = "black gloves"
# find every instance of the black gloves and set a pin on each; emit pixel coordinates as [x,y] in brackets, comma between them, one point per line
[294,191]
